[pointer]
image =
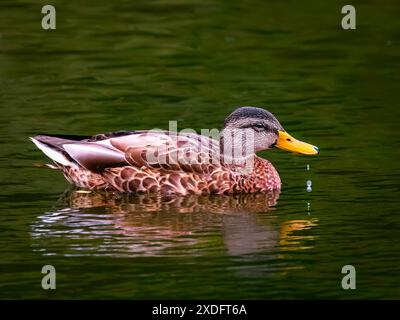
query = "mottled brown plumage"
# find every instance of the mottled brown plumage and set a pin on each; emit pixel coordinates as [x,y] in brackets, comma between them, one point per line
[171,162]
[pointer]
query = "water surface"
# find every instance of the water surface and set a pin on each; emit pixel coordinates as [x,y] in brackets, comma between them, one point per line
[137,65]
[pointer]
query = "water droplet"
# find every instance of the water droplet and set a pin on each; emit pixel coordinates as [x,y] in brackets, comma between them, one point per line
[308,208]
[308,167]
[309,184]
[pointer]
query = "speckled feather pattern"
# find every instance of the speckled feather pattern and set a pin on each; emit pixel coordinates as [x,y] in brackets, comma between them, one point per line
[136,174]
[222,180]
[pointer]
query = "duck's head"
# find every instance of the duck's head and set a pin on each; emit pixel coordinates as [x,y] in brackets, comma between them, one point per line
[266,130]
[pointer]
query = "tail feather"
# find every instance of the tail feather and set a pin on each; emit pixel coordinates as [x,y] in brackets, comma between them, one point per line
[52,153]
[47,166]
[79,151]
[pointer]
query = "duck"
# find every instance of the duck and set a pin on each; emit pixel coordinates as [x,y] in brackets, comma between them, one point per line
[169,162]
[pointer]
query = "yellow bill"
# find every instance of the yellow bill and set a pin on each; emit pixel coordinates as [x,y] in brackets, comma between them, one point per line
[288,143]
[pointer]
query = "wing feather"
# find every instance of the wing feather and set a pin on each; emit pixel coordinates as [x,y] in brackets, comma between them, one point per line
[187,152]
[93,156]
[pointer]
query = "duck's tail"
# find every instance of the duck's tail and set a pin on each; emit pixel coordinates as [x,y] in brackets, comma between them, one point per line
[52,146]
[50,149]
[71,151]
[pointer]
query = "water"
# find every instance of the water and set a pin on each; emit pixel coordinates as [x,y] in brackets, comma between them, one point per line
[137,65]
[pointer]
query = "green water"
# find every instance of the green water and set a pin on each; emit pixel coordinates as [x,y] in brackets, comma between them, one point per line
[136,65]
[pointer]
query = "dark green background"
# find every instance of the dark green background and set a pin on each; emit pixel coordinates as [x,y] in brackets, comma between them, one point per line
[114,65]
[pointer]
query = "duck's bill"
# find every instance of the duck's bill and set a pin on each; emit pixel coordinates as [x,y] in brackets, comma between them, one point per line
[288,143]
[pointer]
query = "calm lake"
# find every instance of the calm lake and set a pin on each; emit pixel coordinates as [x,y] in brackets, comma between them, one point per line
[137,65]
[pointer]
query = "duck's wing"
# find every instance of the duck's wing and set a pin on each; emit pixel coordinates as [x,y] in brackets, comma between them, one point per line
[188,152]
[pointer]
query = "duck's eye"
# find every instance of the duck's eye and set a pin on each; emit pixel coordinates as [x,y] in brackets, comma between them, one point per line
[259,125]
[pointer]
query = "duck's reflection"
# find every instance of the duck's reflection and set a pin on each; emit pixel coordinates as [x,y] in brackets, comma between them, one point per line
[92,223]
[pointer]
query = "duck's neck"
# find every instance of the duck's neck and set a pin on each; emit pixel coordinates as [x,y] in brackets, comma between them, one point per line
[236,143]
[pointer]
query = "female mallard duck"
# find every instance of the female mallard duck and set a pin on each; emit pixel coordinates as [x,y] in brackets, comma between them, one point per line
[172,162]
